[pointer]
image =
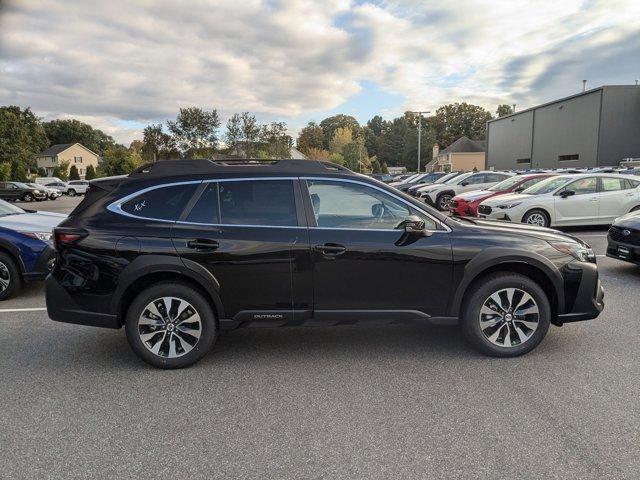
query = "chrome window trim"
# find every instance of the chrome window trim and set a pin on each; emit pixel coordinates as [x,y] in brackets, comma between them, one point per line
[366,184]
[116,207]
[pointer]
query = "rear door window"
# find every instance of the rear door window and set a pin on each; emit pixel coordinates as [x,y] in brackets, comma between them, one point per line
[257,202]
[162,203]
[206,210]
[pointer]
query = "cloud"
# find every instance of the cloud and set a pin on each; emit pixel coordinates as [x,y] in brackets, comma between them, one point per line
[123,63]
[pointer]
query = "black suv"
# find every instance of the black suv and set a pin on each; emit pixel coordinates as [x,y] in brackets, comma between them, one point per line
[181,249]
[21,191]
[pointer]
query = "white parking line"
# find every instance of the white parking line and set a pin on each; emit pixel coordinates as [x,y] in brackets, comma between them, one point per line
[13,310]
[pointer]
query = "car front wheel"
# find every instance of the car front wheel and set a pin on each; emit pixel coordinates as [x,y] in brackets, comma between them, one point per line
[171,325]
[71,192]
[443,201]
[505,315]
[537,217]
[27,197]
[10,279]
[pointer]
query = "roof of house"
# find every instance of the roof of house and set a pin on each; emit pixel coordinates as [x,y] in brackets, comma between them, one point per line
[54,150]
[466,145]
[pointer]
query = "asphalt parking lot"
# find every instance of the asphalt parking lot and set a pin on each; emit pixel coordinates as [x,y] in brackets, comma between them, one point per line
[343,402]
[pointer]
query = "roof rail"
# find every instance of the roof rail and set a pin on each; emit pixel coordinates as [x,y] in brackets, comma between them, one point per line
[209,166]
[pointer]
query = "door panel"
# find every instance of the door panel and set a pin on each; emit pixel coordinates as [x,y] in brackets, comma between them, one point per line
[580,208]
[615,199]
[362,263]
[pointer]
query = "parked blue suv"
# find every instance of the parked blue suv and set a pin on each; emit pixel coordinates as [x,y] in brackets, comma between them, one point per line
[26,251]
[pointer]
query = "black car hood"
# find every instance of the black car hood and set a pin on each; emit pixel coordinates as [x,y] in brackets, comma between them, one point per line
[630,220]
[543,233]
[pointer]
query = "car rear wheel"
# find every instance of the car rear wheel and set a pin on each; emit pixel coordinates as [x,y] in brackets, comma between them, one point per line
[506,315]
[27,197]
[10,279]
[71,192]
[171,325]
[537,217]
[443,201]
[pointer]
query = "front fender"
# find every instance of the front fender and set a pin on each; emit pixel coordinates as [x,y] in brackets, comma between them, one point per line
[493,256]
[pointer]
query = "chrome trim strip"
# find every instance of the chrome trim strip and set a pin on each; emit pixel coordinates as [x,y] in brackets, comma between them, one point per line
[116,207]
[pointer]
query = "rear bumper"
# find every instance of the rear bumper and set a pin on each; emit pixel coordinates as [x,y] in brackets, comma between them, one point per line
[588,299]
[62,308]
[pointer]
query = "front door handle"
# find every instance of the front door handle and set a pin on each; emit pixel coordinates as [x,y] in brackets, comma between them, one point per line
[331,249]
[203,244]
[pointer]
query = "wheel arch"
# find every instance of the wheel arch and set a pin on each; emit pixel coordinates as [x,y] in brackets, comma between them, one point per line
[544,210]
[536,267]
[150,269]
[14,252]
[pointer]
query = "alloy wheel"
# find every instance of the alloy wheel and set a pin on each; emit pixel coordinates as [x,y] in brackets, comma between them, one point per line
[5,277]
[169,327]
[537,219]
[444,202]
[509,317]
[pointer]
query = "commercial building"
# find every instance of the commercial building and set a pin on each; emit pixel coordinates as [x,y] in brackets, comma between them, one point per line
[72,153]
[598,127]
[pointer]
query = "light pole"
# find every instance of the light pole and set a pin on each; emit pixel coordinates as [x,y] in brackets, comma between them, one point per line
[420,132]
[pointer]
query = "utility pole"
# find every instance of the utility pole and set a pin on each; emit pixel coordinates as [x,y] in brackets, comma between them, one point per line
[420,132]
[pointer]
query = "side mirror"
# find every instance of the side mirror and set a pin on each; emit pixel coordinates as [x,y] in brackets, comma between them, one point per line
[412,224]
[567,193]
[518,190]
[464,184]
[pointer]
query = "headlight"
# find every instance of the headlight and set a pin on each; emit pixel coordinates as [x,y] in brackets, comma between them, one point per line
[44,236]
[507,206]
[577,251]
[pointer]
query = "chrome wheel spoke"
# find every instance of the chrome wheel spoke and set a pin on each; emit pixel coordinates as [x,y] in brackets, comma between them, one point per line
[521,335]
[494,337]
[529,325]
[169,327]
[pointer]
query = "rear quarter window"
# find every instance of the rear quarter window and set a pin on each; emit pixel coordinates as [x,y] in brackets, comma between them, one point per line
[162,203]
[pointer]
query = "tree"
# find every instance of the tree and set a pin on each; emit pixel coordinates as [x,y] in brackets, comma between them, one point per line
[243,135]
[342,137]
[42,172]
[118,160]
[62,171]
[274,140]
[310,137]
[384,168]
[5,172]
[18,171]
[375,165]
[195,131]
[318,154]
[331,124]
[504,110]
[457,119]
[73,173]
[337,158]
[22,136]
[90,174]
[157,144]
[72,131]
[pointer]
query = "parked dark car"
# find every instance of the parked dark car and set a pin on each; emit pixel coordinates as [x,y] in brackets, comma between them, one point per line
[178,250]
[624,238]
[422,179]
[15,191]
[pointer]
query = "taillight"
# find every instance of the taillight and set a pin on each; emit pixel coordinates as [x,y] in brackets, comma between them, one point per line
[64,236]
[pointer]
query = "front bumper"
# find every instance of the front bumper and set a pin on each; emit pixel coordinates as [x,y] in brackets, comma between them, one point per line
[626,252]
[584,294]
[62,308]
[43,265]
[462,208]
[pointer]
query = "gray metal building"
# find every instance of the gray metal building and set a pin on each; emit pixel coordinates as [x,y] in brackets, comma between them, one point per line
[598,127]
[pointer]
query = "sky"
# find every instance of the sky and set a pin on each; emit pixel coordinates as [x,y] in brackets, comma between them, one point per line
[120,65]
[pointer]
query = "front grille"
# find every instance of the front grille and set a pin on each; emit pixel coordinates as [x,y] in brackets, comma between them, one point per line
[617,235]
[484,209]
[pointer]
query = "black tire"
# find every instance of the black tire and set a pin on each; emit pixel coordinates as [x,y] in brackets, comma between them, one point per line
[636,208]
[71,192]
[475,300]
[443,200]
[182,291]
[9,272]
[27,197]
[536,213]
[52,197]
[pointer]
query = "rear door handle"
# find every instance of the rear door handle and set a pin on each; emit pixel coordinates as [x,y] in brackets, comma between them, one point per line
[331,249]
[203,244]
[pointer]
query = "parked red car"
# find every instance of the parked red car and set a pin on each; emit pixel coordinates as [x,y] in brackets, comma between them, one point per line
[466,204]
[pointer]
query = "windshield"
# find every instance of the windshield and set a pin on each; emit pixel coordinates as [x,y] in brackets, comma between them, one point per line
[8,209]
[446,177]
[411,178]
[34,185]
[547,186]
[459,178]
[21,185]
[506,184]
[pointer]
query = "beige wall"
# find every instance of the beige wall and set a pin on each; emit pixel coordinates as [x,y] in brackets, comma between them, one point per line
[467,161]
[76,155]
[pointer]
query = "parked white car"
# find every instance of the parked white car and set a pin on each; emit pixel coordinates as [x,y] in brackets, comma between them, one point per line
[58,185]
[440,195]
[77,187]
[580,199]
[52,193]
